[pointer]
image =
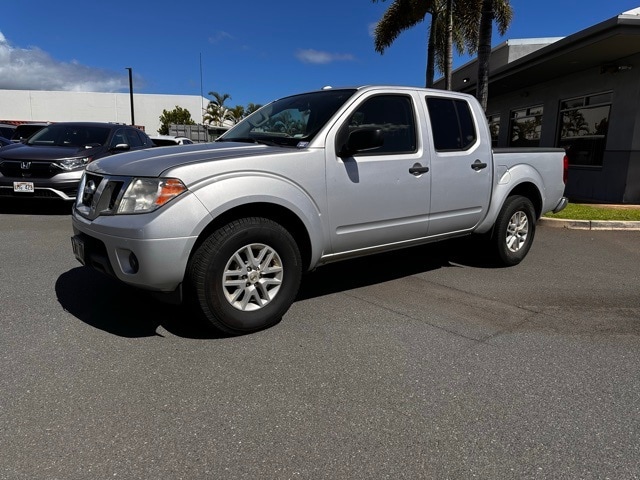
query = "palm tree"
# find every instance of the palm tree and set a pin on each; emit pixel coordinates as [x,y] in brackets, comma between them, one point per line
[501,12]
[237,113]
[216,112]
[444,34]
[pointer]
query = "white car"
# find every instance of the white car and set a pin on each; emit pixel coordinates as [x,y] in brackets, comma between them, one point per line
[167,140]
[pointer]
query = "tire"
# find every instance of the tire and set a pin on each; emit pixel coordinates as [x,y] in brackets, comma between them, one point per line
[514,230]
[245,276]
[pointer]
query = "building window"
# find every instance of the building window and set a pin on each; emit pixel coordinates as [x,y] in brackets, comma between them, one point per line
[584,122]
[494,129]
[525,127]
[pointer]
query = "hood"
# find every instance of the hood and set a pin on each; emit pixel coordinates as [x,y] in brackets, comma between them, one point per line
[21,151]
[153,162]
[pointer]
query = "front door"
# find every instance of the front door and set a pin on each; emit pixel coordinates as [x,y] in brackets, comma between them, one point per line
[380,196]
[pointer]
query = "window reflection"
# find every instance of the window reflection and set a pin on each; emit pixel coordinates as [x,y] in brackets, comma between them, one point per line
[584,123]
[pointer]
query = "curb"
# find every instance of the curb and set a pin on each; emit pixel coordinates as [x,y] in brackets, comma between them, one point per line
[588,224]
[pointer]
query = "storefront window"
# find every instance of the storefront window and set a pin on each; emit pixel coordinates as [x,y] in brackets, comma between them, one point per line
[584,123]
[525,127]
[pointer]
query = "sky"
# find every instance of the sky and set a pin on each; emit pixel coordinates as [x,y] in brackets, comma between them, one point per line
[254,51]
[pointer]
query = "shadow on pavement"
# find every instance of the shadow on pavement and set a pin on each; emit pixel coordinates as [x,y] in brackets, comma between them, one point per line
[32,206]
[109,305]
[384,267]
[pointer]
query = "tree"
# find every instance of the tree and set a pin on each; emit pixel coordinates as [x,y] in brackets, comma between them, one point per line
[178,115]
[216,112]
[501,12]
[444,33]
[237,113]
[250,108]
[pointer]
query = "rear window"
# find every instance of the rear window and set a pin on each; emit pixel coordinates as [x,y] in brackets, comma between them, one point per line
[451,123]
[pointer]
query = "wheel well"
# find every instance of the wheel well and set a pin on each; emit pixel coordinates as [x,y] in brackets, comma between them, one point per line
[530,191]
[277,213]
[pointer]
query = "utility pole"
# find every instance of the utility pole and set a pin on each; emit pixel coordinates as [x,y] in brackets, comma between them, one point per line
[133,122]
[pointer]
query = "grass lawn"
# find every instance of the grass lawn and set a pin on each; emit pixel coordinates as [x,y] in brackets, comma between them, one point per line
[579,211]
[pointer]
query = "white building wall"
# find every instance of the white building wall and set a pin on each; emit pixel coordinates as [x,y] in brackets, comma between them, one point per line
[49,106]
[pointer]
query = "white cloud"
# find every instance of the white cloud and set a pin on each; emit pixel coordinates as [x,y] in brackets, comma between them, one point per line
[34,69]
[220,36]
[371,28]
[318,57]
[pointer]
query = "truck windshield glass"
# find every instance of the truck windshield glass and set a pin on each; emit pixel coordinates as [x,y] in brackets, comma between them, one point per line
[291,120]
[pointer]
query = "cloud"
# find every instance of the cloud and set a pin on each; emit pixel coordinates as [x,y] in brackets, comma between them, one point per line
[371,28]
[34,69]
[318,57]
[220,36]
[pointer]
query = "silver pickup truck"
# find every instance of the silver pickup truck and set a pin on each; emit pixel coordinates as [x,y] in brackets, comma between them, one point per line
[230,226]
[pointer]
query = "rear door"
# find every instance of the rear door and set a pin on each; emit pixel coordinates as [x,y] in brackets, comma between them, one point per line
[461,170]
[380,196]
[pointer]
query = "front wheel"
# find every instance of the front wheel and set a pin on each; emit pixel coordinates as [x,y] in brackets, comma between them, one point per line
[514,230]
[246,275]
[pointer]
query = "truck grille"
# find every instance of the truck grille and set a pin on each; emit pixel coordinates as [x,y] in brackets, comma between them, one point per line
[99,195]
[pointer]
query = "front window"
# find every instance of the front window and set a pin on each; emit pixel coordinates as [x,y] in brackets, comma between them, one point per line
[70,136]
[526,127]
[393,114]
[291,121]
[584,123]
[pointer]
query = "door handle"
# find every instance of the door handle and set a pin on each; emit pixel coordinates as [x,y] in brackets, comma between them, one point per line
[478,165]
[418,170]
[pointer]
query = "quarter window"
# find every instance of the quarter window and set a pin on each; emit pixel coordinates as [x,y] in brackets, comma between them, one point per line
[526,126]
[451,124]
[583,125]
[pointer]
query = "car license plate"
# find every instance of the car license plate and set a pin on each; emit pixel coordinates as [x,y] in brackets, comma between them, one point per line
[78,248]
[23,187]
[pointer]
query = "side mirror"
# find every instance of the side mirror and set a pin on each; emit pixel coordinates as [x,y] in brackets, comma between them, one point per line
[122,147]
[361,140]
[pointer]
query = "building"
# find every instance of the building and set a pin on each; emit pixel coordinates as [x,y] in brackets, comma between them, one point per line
[580,92]
[62,106]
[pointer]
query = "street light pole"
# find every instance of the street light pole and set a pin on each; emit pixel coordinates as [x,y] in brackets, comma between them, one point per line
[133,122]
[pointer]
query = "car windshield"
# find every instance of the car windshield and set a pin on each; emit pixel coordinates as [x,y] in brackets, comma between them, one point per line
[291,121]
[70,136]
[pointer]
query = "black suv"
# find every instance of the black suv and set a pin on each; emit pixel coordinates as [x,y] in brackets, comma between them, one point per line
[51,162]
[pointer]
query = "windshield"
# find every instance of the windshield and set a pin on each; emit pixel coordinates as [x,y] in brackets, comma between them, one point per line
[70,136]
[291,121]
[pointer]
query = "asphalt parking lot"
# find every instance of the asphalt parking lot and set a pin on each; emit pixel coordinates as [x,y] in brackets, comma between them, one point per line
[426,363]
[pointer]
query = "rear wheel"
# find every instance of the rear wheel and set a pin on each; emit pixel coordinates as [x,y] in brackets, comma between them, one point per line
[514,230]
[245,276]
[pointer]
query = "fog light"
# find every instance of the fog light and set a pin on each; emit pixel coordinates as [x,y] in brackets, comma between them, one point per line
[133,263]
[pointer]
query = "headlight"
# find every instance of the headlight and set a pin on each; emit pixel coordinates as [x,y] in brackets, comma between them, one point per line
[72,163]
[146,194]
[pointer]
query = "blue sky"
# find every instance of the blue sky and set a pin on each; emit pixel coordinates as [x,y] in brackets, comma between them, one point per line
[255,51]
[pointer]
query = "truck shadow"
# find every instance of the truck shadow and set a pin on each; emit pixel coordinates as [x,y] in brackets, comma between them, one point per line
[113,307]
[31,206]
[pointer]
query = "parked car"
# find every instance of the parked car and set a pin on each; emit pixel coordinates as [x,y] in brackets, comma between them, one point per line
[168,140]
[50,163]
[6,130]
[304,181]
[25,130]
[4,142]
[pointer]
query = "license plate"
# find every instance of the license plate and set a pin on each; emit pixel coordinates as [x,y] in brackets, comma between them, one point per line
[23,187]
[78,248]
